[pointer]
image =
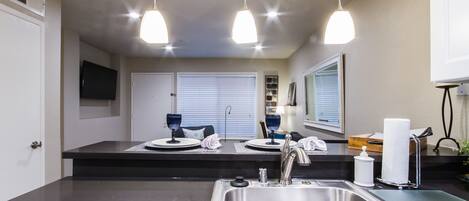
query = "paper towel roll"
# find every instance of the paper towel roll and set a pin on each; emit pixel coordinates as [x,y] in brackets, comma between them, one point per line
[395,164]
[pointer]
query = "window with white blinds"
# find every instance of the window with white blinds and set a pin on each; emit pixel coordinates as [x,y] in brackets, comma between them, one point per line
[203,97]
[327,96]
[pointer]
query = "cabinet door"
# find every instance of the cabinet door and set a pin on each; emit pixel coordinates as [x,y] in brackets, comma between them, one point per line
[449,40]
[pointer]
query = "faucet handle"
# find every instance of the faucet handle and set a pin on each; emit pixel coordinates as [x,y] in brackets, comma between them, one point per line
[287,138]
[286,148]
[286,145]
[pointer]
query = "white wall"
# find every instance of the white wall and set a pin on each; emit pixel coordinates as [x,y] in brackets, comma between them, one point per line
[261,66]
[53,135]
[78,131]
[387,70]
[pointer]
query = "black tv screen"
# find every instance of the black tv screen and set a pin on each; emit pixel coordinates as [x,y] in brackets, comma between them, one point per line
[97,82]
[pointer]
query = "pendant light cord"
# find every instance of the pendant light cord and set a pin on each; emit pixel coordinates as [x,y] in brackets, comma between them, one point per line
[245,5]
[340,5]
[154,4]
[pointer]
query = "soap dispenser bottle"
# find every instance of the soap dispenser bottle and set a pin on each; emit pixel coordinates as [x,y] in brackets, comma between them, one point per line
[364,169]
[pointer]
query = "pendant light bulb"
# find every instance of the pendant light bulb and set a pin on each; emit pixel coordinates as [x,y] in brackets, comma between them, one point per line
[153,27]
[340,27]
[244,27]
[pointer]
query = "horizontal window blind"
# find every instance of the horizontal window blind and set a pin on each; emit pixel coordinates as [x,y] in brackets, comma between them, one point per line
[327,97]
[203,97]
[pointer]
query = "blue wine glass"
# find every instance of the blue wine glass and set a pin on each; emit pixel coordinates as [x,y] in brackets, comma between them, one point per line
[273,123]
[174,122]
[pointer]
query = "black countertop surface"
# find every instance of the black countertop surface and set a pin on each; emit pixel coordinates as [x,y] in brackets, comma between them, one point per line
[72,189]
[335,152]
[95,189]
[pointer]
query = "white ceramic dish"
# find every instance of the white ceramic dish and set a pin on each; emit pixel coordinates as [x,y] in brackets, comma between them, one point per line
[184,143]
[261,143]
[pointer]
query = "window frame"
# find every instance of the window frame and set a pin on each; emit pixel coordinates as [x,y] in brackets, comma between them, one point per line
[339,59]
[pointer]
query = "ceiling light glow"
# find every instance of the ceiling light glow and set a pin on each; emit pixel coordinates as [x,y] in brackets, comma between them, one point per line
[134,15]
[272,14]
[168,47]
[258,47]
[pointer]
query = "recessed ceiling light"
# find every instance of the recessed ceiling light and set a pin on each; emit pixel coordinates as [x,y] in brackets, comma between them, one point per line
[134,15]
[272,14]
[168,47]
[258,47]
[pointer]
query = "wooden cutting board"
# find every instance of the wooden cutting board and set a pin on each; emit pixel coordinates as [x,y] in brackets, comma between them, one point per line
[375,145]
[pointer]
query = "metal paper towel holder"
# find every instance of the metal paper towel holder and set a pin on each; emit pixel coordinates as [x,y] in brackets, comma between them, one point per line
[417,170]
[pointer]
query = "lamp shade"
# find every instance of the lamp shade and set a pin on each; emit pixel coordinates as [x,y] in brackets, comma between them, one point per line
[244,28]
[340,28]
[153,28]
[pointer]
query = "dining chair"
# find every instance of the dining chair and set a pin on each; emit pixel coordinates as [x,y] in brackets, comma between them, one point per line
[264,129]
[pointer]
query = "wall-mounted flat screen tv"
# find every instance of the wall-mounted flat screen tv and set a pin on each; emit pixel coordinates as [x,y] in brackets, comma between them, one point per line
[97,82]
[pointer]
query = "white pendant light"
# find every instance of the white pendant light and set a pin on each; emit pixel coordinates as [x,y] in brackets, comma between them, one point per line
[153,27]
[340,28]
[244,27]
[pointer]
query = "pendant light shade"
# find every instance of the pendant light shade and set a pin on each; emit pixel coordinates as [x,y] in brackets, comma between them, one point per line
[153,27]
[244,27]
[340,28]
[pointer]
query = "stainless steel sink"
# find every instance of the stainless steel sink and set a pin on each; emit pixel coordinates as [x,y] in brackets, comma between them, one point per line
[299,190]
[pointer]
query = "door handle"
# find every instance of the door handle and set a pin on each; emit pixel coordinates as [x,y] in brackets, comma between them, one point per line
[36,144]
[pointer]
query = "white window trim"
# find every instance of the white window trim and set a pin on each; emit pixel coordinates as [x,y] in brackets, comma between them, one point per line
[339,58]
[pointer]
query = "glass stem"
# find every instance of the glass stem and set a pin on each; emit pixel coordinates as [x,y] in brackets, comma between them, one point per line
[272,137]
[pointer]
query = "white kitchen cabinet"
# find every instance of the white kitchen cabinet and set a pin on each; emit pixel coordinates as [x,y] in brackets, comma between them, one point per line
[449,20]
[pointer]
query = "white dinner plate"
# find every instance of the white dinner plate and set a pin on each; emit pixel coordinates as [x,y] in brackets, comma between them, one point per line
[261,143]
[184,143]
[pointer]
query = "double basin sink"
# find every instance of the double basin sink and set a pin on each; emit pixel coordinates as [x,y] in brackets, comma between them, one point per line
[299,190]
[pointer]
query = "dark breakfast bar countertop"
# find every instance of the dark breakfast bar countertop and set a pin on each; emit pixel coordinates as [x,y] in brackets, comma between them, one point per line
[113,159]
[335,152]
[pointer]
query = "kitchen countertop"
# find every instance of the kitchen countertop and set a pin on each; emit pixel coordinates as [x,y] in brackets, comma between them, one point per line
[335,152]
[95,189]
[112,159]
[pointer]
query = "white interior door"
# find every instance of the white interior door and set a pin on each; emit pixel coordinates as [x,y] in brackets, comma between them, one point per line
[21,103]
[151,101]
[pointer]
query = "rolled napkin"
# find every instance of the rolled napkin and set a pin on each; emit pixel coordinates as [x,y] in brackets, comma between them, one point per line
[211,142]
[312,143]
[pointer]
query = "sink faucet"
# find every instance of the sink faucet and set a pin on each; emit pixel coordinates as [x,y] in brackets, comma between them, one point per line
[287,157]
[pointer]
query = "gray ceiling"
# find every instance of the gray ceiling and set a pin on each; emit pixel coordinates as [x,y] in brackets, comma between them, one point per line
[197,28]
